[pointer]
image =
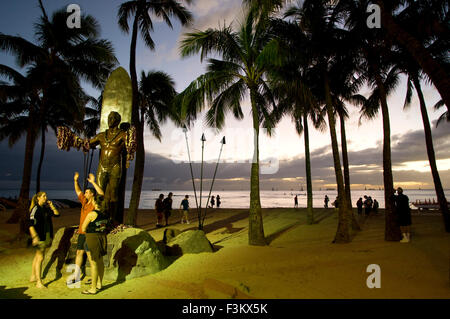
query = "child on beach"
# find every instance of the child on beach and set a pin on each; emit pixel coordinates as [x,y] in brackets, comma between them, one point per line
[185,206]
[41,230]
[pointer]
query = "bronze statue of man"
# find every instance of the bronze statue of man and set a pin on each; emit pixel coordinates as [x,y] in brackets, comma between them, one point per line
[113,146]
[117,147]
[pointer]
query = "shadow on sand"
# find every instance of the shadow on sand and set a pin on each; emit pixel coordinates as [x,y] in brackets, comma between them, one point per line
[317,219]
[13,293]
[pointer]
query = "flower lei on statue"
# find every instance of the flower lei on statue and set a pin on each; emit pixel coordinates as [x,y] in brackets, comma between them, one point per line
[67,139]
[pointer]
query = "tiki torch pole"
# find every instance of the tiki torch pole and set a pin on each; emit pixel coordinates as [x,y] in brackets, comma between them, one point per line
[214,177]
[200,226]
[190,165]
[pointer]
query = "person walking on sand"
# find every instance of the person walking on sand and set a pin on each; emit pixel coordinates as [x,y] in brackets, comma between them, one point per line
[95,226]
[87,205]
[326,200]
[212,201]
[167,202]
[295,201]
[218,201]
[185,207]
[159,207]
[41,230]
[404,215]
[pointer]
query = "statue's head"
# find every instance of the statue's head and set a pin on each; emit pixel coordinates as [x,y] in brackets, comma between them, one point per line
[114,119]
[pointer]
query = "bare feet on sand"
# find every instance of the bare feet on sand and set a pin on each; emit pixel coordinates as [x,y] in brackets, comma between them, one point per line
[40,285]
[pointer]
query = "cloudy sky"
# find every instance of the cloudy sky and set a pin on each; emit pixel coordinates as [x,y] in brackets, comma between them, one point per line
[282,154]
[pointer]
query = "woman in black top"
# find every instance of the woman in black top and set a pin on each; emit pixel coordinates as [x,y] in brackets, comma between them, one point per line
[41,231]
[95,227]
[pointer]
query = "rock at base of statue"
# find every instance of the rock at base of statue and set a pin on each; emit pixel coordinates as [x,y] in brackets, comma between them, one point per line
[189,242]
[169,234]
[56,256]
[132,253]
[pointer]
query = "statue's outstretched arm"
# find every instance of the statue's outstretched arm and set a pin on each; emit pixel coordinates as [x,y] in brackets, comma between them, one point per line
[67,139]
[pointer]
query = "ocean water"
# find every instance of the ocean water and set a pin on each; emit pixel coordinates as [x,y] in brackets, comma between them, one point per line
[241,199]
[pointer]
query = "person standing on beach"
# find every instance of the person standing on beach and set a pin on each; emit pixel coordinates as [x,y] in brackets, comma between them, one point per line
[359,204]
[295,201]
[168,207]
[404,215]
[185,206]
[95,226]
[367,205]
[41,230]
[212,201]
[336,204]
[159,207]
[375,206]
[326,200]
[218,201]
[87,205]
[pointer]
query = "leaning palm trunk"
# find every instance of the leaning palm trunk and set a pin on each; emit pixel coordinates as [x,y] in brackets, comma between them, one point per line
[392,229]
[355,225]
[20,212]
[140,153]
[255,222]
[343,231]
[433,69]
[309,206]
[41,160]
[432,158]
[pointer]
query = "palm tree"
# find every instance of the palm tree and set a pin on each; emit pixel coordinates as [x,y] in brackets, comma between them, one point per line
[246,55]
[383,84]
[140,11]
[156,95]
[436,15]
[375,56]
[411,68]
[61,56]
[289,84]
[331,65]
[18,108]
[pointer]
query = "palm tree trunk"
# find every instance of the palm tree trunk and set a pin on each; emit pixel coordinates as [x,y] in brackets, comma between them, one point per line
[392,229]
[343,232]
[432,157]
[355,225]
[41,160]
[431,67]
[255,222]
[309,206]
[21,211]
[139,161]
[345,162]
[139,165]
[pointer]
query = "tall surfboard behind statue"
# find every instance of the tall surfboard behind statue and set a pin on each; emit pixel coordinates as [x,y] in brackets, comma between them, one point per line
[117,96]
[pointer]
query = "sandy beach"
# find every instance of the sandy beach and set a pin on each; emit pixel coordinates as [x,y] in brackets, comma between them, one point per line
[300,261]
